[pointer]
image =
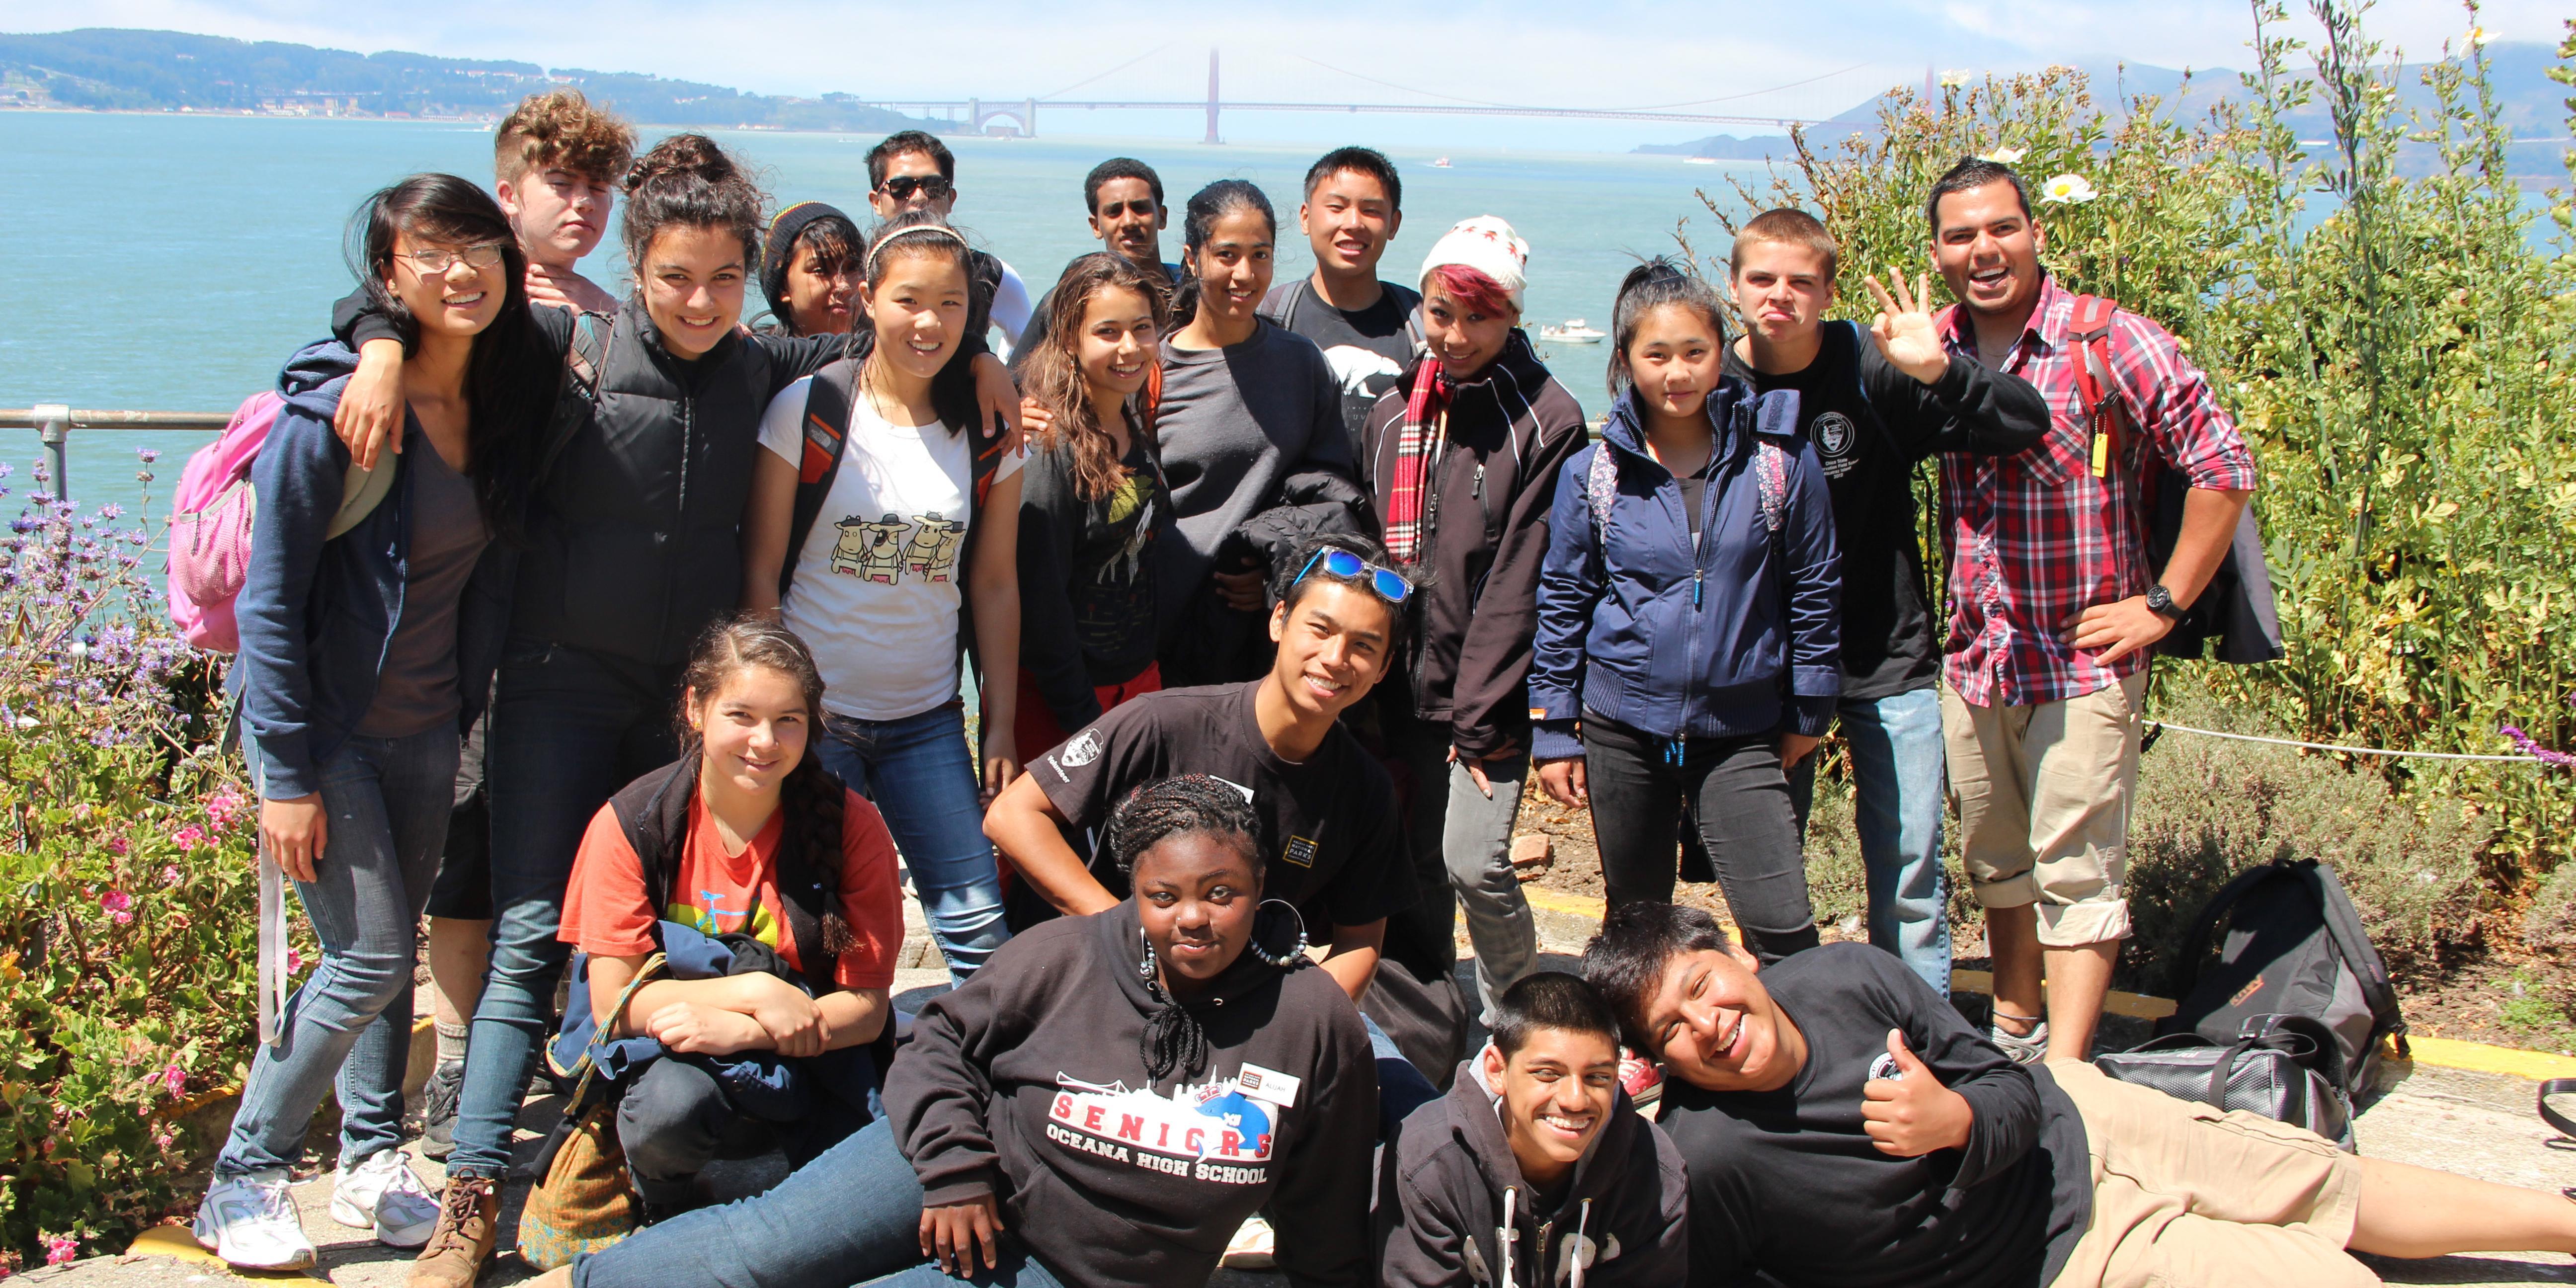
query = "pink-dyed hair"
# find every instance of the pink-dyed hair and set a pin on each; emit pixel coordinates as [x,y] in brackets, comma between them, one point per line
[1472,288]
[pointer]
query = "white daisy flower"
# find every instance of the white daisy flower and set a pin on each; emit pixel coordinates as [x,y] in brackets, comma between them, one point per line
[2003,156]
[1955,76]
[2065,188]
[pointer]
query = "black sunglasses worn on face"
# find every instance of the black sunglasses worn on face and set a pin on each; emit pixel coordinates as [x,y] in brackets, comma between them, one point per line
[1389,584]
[902,186]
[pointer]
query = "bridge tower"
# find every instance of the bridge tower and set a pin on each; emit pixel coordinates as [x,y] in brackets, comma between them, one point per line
[1211,130]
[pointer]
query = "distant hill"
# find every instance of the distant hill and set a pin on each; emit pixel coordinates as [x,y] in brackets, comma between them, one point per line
[172,71]
[2532,104]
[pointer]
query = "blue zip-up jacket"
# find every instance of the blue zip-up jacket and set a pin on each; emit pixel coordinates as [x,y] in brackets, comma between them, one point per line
[1637,624]
[316,615]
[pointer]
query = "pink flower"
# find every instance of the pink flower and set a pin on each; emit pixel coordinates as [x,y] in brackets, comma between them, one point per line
[189,837]
[116,845]
[161,1139]
[170,875]
[117,901]
[224,807]
[60,1248]
[121,918]
[81,811]
[294,961]
[173,1077]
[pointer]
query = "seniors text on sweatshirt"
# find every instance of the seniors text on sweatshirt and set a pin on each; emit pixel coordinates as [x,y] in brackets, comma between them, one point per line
[1028,1084]
[1623,1218]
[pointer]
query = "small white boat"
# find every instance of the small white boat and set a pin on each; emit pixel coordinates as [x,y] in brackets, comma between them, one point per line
[1440,163]
[1573,332]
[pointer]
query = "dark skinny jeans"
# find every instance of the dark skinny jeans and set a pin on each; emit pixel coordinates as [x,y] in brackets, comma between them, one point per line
[1733,791]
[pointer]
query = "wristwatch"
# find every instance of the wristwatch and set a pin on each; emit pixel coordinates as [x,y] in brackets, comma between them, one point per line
[2160,602]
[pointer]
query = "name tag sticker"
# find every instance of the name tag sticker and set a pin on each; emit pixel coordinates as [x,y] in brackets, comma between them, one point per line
[1300,851]
[1271,1085]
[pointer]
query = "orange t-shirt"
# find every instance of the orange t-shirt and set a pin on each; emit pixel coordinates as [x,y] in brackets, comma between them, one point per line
[608,913]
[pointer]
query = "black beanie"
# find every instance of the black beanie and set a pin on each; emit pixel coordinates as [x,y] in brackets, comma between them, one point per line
[783,232]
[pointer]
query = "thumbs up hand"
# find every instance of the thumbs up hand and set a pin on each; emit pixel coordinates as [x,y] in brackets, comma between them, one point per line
[1910,1113]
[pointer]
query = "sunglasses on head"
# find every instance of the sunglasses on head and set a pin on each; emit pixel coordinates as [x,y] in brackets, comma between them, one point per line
[1389,584]
[902,186]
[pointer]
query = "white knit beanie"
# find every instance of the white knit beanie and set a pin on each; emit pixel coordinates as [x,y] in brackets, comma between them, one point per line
[1487,245]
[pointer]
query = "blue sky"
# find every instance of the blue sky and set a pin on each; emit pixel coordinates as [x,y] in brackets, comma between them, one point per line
[1574,52]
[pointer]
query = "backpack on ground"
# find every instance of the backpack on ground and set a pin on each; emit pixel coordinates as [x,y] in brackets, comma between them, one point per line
[212,512]
[2236,609]
[2288,942]
[2288,1068]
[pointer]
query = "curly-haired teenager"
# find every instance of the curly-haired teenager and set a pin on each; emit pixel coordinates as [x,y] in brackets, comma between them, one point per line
[1092,502]
[1101,1105]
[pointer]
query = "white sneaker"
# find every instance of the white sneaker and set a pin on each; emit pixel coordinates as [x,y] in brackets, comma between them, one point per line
[1253,1247]
[382,1194]
[249,1221]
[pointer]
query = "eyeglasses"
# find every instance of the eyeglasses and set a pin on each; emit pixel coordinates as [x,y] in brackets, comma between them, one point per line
[902,186]
[1389,584]
[435,262]
[1140,207]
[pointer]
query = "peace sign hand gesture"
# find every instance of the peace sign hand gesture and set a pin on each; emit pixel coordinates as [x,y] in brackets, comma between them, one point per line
[1903,330]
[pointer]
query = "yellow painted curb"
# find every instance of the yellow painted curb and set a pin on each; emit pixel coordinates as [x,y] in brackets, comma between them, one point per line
[1572,905]
[2478,1057]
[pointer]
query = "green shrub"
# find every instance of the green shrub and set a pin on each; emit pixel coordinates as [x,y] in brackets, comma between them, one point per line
[128,892]
[2397,351]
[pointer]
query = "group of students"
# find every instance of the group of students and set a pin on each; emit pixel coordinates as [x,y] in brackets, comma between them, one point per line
[660,636]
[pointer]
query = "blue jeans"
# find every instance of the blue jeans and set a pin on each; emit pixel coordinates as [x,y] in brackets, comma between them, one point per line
[1401,1088]
[1899,785]
[386,802]
[921,776]
[851,1216]
[569,728]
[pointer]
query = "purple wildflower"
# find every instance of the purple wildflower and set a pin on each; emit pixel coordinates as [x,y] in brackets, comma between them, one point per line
[2524,743]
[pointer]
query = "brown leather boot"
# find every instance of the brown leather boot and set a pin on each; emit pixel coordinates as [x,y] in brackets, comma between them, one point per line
[469,1223]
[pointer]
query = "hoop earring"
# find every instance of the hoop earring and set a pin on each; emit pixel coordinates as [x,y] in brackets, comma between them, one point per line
[1288,960]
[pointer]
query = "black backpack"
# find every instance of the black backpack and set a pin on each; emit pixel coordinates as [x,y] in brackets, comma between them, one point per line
[2292,945]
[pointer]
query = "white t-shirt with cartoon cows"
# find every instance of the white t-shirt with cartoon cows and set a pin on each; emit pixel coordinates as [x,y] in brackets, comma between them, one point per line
[881,577]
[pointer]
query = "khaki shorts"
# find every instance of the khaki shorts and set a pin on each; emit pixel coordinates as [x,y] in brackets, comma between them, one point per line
[2043,797]
[2186,1195]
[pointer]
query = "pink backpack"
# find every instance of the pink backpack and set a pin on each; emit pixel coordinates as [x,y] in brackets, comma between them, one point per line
[211,518]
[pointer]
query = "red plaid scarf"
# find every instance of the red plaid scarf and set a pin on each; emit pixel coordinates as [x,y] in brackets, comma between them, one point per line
[1413,453]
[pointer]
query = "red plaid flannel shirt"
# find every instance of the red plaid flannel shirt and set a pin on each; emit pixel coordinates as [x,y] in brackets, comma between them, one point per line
[2034,539]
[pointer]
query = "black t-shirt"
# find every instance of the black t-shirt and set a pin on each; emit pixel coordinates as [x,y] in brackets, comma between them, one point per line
[1329,824]
[1787,1184]
[1368,348]
[1887,630]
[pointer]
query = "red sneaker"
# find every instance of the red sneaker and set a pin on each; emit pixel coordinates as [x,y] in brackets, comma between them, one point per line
[1640,1078]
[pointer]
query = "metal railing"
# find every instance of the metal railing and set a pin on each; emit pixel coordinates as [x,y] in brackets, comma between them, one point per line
[54,423]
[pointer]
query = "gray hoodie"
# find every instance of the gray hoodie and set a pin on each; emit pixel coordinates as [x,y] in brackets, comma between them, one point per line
[1453,1188]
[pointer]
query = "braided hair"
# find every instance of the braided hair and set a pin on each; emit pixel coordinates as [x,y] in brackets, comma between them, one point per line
[814,797]
[1150,815]
[1159,811]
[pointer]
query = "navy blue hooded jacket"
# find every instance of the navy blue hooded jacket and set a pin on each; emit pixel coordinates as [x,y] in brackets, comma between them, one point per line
[1738,634]
[315,614]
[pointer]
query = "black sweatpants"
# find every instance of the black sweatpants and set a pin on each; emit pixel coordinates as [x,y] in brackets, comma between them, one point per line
[1733,792]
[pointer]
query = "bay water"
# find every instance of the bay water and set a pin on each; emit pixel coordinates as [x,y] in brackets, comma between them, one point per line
[172,262]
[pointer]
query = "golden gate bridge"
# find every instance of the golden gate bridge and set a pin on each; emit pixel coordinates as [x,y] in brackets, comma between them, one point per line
[980,114]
